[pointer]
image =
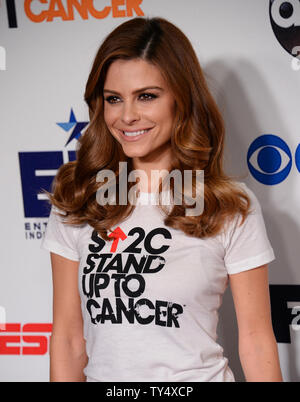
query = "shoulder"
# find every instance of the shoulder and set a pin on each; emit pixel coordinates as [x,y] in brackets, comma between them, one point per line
[238,223]
[254,202]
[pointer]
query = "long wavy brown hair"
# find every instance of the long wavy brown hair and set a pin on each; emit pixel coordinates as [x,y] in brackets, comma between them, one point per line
[197,138]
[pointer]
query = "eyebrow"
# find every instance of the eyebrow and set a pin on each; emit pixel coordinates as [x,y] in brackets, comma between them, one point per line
[134,92]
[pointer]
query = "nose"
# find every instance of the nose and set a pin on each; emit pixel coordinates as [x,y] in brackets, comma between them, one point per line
[129,113]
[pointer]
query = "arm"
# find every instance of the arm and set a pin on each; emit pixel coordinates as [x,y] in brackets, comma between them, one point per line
[67,346]
[257,344]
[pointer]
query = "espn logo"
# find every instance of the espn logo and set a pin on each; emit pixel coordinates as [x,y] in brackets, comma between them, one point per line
[29,339]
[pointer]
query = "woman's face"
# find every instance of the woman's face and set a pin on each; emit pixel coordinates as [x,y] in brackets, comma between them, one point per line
[139,108]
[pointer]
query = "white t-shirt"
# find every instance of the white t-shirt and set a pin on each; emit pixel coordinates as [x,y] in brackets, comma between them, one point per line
[150,299]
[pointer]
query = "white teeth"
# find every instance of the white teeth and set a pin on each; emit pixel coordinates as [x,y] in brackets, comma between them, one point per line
[134,133]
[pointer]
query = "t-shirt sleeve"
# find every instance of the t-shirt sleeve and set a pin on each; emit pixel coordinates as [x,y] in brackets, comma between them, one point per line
[60,238]
[247,246]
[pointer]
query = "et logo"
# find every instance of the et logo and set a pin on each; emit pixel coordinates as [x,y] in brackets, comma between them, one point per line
[38,169]
[285,21]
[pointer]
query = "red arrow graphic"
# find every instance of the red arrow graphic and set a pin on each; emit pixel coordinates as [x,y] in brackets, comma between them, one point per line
[117,234]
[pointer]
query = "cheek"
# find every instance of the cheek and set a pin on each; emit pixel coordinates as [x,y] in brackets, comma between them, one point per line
[162,113]
[166,116]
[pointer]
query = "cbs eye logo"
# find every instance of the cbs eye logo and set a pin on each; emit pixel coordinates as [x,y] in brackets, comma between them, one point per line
[269,159]
[285,21]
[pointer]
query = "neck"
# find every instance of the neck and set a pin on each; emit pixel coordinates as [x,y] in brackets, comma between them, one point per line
[160,161]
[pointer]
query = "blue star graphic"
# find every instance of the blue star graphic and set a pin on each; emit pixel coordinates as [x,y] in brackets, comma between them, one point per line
[76,125]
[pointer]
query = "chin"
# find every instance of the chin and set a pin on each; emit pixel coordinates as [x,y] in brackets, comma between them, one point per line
[135,153]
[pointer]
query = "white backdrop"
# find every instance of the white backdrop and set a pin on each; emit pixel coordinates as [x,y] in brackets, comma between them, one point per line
[46,52]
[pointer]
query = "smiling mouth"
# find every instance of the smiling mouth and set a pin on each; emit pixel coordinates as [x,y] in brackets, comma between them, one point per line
[135,133]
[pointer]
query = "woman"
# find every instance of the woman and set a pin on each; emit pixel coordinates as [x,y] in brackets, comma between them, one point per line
[151,277]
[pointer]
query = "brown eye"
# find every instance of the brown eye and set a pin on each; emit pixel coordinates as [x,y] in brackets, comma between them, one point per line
[147,96]
[111,99]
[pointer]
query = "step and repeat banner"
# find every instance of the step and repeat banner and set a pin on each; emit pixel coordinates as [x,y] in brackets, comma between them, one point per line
[250,53]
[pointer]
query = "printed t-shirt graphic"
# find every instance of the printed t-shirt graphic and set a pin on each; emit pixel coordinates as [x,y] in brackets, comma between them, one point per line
[124,274]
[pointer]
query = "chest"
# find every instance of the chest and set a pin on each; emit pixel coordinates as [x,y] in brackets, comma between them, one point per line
[147,259]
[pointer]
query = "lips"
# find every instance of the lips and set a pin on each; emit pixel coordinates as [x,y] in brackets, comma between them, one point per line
[143,132]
